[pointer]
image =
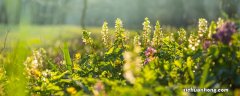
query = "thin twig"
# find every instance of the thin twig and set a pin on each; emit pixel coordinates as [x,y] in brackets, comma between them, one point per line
[5,41]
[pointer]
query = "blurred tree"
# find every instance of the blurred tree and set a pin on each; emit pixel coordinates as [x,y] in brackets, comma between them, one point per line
[229,8]
[133,12]
[25,13]
[177,10]
[200,8]
[3,15]
[12,10]
[142,11]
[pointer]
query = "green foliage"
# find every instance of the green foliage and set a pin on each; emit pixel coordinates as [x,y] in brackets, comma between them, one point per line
[172,62]
[212,29]
[15,74]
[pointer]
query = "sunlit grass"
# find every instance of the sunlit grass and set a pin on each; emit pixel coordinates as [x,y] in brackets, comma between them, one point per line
[45,35]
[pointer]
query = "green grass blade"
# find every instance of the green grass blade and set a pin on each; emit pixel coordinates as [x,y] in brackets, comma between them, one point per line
[67,57]
[204,75]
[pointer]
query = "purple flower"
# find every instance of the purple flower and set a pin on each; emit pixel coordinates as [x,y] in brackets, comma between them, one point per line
[147,60]
[150,52]
[225,32]
[206,44]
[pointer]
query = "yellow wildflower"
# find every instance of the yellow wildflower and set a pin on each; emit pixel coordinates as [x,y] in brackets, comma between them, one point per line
[77,56]
[36,73]
[71,90]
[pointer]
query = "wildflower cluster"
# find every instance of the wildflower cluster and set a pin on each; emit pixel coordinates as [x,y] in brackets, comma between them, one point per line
[193,42]
[105,35]
[146,32]
[76,60]
[225,32]
[202,27]
[181,36]
[158,35]
[149,53]
[86,37]
[119,33]
[136,40]
[35,63]
[139,66]
[220,22]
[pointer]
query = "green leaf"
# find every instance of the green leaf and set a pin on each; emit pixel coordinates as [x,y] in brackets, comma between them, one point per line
[59,76]
[67,57]
[110,51]
[177,63]
[53,87]
[65,81]
[189,65]
[204,75]
[149,75]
